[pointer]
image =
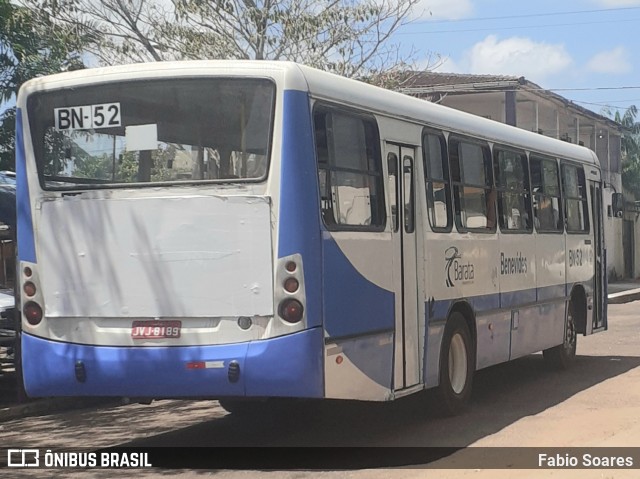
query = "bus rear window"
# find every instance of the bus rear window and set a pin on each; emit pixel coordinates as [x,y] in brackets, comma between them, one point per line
[153,131]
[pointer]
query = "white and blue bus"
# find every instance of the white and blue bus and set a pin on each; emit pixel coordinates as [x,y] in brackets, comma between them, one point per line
[240,230]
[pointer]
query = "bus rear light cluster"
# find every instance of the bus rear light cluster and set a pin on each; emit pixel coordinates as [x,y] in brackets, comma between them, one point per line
[31,295]
[290,296]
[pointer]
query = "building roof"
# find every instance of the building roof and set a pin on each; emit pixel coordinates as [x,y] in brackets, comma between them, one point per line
[427,83]
[432,80]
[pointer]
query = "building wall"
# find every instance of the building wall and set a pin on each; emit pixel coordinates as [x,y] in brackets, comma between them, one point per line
[613,240]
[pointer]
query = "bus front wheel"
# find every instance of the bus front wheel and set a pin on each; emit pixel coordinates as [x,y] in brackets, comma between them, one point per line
[456,366]
[563,355]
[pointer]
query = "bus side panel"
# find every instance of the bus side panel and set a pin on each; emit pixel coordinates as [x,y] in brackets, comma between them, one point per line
[359,323]
[533,327]
[537,327]
[26,242]
[299,217]
[463,269]
[580,273]
[289,366]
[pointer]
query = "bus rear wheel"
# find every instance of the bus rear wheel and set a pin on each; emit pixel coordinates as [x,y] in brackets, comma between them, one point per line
[563,355]
[456,366]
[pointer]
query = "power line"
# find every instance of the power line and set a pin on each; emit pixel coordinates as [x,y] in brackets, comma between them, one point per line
[530,15]
[598,88]
[592,88]
[622,101]
[607,105]
[553,25]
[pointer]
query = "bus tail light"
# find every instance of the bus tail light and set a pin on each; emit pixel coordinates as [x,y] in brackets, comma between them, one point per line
[291,285]
[290,295]
[29,289]
[32,300]
[291,310]
[291,266]
[33,313]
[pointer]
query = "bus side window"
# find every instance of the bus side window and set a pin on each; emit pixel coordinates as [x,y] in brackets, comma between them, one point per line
[392,163]
[436,168]
[322,152]
[454,163]
[514,191]
[474,193]
[349,170]
[545,182]
[575,199]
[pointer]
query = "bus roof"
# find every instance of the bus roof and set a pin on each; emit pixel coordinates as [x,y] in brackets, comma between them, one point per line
[330,87]
[324,85]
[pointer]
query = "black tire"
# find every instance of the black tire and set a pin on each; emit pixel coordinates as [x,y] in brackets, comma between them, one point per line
[457,366]
[563,355]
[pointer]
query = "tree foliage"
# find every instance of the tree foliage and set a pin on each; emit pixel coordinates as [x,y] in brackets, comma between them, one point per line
[31,44]
[630,148]
[352,38]
[348,37]
[122,31]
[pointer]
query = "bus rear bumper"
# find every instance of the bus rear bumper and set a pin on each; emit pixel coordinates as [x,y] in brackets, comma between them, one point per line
[287,366]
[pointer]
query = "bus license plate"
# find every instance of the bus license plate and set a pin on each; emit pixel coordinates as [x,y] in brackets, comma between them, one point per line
[155,329]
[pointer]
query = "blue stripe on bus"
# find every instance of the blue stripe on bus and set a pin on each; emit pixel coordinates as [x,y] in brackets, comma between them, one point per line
[299,216]
[26,242]
[355,306]
[285,366]
[512,299]
[551,292]
[485,302]
[437,310]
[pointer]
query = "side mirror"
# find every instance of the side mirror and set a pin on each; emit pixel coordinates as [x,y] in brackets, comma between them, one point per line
[617,205]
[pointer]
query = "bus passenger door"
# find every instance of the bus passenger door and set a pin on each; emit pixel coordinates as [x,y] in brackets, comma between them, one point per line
[598,319]
[402,184]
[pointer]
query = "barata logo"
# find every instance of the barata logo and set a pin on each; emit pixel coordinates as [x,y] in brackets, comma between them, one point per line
[460,271]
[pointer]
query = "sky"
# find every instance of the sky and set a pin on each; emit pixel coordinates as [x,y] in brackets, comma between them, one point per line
[588,51]
[585,50]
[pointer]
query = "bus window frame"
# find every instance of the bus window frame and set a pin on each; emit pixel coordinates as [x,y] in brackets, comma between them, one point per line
[533,155]
[585,202]
[105,185]
[487,156]
[501,189]
[381,193]
[446,168]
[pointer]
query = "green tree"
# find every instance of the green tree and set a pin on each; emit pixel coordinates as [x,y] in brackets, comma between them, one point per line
[126,165]
[31,44]
[630,148]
